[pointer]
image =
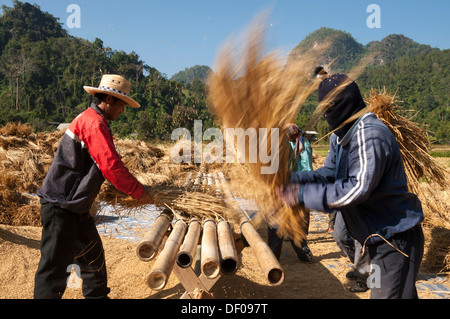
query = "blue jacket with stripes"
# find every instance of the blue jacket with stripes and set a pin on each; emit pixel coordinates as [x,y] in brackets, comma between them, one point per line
[363,177]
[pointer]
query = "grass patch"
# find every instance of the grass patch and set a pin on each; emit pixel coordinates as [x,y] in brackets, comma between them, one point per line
[322,150]
[443,153]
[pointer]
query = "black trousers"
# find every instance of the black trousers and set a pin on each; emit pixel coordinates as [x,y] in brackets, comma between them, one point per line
[275,242]
[397,273]
[69,240]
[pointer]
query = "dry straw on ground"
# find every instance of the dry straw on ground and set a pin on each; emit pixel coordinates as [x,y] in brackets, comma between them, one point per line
[24,160]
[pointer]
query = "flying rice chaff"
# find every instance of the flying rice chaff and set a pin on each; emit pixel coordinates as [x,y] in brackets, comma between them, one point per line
[250,90]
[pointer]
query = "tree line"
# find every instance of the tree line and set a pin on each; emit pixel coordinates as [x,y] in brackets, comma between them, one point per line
[43,70]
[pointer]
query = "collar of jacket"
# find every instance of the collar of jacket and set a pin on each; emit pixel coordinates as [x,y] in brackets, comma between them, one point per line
[348,136]
[97,109]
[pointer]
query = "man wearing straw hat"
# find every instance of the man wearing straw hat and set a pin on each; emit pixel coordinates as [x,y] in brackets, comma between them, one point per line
[86,156]
[363,177]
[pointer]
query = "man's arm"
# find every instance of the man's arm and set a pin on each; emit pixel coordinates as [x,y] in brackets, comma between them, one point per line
[367,160]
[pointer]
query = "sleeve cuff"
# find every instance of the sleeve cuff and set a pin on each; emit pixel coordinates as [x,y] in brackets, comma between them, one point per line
[301,191]
[139,191]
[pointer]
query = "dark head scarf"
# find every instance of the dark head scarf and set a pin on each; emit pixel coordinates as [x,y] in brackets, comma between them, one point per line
[344,105]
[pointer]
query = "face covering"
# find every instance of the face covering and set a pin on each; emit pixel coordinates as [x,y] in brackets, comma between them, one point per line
[344,105]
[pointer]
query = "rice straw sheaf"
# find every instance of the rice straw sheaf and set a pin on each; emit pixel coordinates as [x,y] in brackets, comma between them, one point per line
[250,90]
[186,203]
[25,156]
[154,167]
[413,140]
[138,155]
[16,129]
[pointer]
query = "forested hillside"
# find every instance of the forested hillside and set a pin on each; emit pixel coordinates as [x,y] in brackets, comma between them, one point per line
[43,70]
[418,74]
[189,75]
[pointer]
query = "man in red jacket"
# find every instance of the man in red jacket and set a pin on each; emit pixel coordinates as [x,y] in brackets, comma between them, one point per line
[86,156]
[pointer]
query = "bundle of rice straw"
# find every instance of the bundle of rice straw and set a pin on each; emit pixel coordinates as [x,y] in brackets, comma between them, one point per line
[413,141]
[153,167]
[21,158]
[251,90]
[138,155]
[186,203]
[18,209]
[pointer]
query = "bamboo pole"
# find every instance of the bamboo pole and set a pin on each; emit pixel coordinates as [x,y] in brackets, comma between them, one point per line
[188,249]
[148,247]
[227,248]
[198,261]
[163,266]
[210,260]
[267,261]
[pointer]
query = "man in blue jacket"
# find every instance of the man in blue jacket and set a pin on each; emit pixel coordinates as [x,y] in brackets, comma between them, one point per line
[363,177]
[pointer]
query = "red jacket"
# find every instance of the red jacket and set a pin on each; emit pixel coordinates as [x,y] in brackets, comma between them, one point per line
[86,156]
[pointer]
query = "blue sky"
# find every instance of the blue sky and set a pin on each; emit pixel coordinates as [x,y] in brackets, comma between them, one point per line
[171,35]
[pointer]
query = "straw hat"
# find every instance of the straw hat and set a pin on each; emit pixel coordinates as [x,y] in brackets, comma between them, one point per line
[114,85]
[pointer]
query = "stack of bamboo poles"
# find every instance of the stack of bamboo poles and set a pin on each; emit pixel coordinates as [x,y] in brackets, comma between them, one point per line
[208,244]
